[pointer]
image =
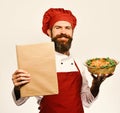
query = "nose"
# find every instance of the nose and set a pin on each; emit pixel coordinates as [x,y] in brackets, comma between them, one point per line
[63,30]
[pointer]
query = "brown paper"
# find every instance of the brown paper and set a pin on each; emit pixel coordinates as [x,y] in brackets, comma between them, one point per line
[39,61]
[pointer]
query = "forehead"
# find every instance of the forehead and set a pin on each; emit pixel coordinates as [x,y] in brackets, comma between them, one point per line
[62,23]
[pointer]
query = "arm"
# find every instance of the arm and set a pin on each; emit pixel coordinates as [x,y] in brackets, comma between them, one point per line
[89,94]
[86,95]
[19,78]
[16,97]
[16,92]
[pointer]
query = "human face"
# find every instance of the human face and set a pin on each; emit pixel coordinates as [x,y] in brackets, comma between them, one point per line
[61,34]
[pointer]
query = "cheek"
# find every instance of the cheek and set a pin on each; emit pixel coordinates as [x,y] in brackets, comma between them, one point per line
[55,34]
[71,33]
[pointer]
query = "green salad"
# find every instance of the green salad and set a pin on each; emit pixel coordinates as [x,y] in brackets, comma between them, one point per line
[101,62]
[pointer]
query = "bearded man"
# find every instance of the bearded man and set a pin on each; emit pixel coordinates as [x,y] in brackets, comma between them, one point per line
[74,92]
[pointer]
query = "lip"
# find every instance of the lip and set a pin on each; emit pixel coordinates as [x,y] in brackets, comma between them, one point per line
[62,38]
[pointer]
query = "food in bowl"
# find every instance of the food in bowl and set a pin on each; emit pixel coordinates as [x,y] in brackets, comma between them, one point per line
[101,65]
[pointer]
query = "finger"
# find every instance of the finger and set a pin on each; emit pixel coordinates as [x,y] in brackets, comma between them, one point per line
[20,71]
[101,77]
[23,78]
[20,79]
[20,83]
[23,75]
[15,76]
[93,75]
[108,75]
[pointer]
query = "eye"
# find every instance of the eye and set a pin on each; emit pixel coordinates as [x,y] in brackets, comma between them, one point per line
[68,27]
[57,27]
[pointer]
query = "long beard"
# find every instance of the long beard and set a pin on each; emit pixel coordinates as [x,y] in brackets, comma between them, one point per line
[62,46]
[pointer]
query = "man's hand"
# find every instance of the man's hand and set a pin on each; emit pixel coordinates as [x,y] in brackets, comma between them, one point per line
[20,77]
[97,80]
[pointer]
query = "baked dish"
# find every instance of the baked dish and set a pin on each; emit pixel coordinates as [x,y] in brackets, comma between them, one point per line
[101,65]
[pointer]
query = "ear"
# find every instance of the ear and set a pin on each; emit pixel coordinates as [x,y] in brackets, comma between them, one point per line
[49,32]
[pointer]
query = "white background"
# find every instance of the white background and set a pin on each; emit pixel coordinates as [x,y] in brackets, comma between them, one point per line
[97,35]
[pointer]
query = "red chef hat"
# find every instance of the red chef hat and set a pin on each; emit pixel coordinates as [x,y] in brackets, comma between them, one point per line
[53,15]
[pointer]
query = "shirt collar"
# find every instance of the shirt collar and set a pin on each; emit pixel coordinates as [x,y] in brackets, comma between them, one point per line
[63,56]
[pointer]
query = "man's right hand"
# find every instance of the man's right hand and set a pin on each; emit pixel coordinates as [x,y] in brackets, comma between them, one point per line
[20,77]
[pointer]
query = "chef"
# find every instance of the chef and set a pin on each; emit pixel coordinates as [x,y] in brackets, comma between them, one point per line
[74,92]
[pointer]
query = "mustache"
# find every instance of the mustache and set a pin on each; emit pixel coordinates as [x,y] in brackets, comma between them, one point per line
[62,35]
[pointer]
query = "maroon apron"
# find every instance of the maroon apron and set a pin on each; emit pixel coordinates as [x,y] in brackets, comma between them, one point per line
[69,99]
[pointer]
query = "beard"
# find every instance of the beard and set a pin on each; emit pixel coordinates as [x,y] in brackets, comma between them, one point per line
[61,46]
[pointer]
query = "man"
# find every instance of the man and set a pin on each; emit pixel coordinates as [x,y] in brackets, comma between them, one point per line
[74,91]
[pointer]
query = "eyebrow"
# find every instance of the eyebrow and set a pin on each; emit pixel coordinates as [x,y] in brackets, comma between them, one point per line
[63,26]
